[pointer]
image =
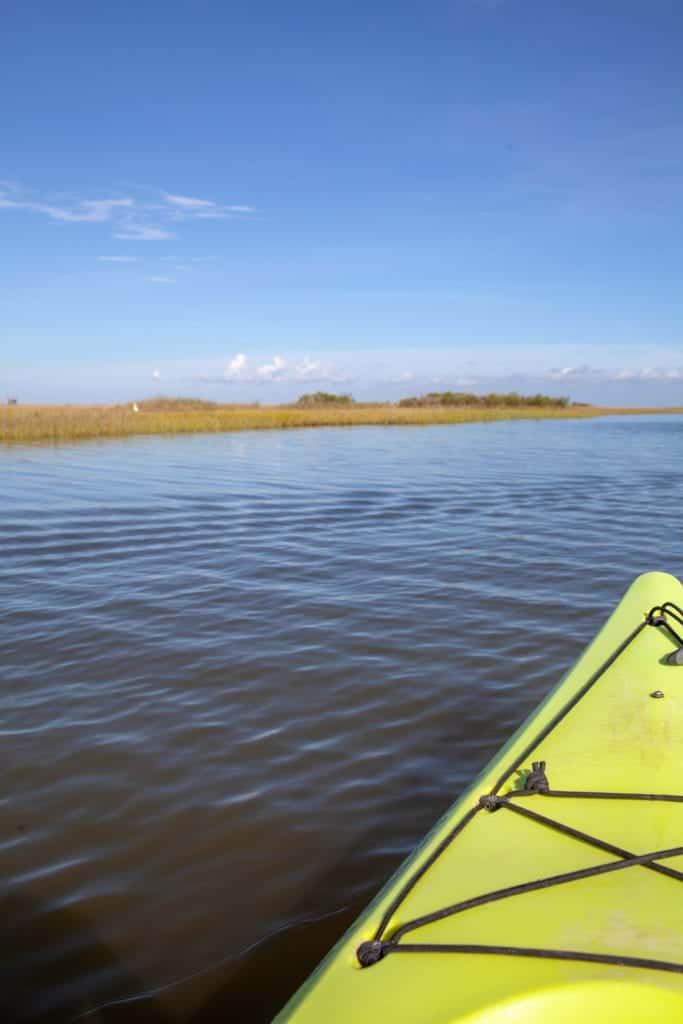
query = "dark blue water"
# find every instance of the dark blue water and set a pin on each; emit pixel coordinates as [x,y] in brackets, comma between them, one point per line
[243,674]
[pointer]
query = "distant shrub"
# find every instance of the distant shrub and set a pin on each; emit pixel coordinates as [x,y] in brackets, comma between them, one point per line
[323,398]
[510,399]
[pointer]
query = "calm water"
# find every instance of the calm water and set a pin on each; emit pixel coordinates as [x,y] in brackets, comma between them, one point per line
[242,676]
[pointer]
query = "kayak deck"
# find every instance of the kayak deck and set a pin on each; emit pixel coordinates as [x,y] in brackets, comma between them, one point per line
[558,870]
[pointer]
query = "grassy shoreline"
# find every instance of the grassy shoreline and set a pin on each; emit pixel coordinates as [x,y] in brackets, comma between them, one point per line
[25,424]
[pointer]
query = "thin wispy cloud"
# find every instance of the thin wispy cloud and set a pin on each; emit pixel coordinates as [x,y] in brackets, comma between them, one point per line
[585,373]
[224,212]
[568,372]
[92,211]
[658,373]
[159,279]
[214,214]
[133,219]
[144,233]
[116,259]
[191,207]
[188,202]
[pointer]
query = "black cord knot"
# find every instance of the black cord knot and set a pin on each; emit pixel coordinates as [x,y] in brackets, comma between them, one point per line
[369,953]
[537,781]
[490,802]
[656,620]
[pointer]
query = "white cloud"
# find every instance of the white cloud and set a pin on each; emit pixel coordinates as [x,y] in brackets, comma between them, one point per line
[189,202]
[223,212]
[315,370]
[308,368]
[156,374]
[116,259]
[93,211]
[143,233]
[276,368]
[585,372]
[184,207]
[217,213]
[126,214]
[157,279]
[236,366]
[648,373]
[572,371]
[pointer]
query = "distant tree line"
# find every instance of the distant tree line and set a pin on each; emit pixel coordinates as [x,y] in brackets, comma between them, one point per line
[323,398]
[510,398]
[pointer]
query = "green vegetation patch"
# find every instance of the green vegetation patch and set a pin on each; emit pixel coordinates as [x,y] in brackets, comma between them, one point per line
[318,398]
[509,400]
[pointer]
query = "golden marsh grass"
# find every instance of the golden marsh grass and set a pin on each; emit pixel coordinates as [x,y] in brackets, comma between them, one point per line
[23,424]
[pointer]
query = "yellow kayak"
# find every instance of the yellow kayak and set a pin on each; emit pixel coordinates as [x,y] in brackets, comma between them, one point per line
[552,889]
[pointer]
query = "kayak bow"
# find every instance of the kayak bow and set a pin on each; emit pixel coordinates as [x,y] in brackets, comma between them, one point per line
[550,889]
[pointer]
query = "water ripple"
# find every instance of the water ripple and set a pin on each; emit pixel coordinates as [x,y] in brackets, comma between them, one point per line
[244,674]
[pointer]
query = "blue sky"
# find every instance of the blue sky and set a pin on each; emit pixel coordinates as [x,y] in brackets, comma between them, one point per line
[250,200]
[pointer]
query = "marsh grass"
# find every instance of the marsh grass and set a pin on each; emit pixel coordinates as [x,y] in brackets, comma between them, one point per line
[24,424]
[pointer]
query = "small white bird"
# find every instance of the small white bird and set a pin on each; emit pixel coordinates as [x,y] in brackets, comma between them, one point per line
[135,407]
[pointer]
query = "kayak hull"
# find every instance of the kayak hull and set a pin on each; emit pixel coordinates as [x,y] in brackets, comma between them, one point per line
[472,955]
